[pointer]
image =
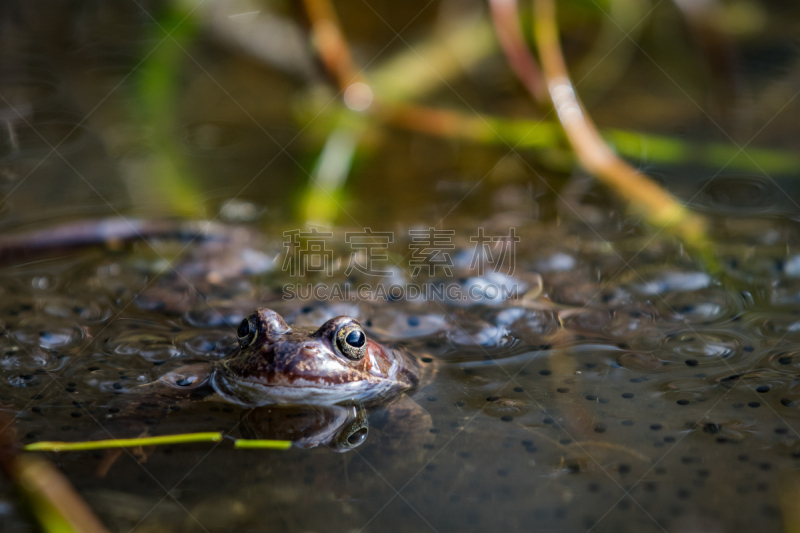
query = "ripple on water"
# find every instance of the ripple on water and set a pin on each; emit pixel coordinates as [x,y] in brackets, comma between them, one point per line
[712,305]
[174,298]
[617,323]
[567,290]
[207,344]
[640,362]
[785,294]
[739,195]
[110,378]
[694,347]
[533,327]
[507,409]
[691,387]
[479,334]
[492,289]
[15,357]
[669,280]
[116,281]
[781,326]
[89,311]
[405,324]
[152,346]
[217,315]
[708,348]
[48,333]
[764,381]
[588,321]
[785,360]
[314,314]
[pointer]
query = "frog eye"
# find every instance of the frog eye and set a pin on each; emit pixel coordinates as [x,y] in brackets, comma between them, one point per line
[351,342]
[351,436]
[247,331]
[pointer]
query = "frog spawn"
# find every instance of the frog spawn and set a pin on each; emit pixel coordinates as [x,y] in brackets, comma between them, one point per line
[606,381]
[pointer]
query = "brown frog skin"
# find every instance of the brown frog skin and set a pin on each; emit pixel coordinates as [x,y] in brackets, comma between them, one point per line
[278,364]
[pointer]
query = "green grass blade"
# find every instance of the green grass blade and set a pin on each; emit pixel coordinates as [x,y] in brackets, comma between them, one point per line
[183,438]
[253,444]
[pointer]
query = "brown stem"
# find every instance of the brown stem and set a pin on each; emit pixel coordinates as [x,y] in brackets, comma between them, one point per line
[505,17]
[330,42]
[646,196]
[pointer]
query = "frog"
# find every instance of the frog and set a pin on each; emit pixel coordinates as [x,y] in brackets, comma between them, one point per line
[278,364]
[311,385]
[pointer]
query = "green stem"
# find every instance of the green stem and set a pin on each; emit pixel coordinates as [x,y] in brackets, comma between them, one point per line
[167,181]
[58,446]
[182,438]
[261,444]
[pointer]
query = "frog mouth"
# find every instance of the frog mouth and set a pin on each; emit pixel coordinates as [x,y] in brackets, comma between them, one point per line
[300,391]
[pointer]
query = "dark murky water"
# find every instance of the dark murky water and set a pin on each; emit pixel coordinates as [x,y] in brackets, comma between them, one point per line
[631,391]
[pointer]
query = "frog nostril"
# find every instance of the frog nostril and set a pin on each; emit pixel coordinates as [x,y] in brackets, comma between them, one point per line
[309,350]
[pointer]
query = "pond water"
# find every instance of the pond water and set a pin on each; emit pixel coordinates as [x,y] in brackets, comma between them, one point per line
[620,383]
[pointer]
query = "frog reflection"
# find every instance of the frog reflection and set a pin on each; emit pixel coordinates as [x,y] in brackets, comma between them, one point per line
[340,428]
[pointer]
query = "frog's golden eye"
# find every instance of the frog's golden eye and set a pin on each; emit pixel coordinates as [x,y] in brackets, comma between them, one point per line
[351,342]
[352,436]
[247,331]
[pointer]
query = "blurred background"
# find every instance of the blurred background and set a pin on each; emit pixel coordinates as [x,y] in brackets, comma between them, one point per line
[224,109]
